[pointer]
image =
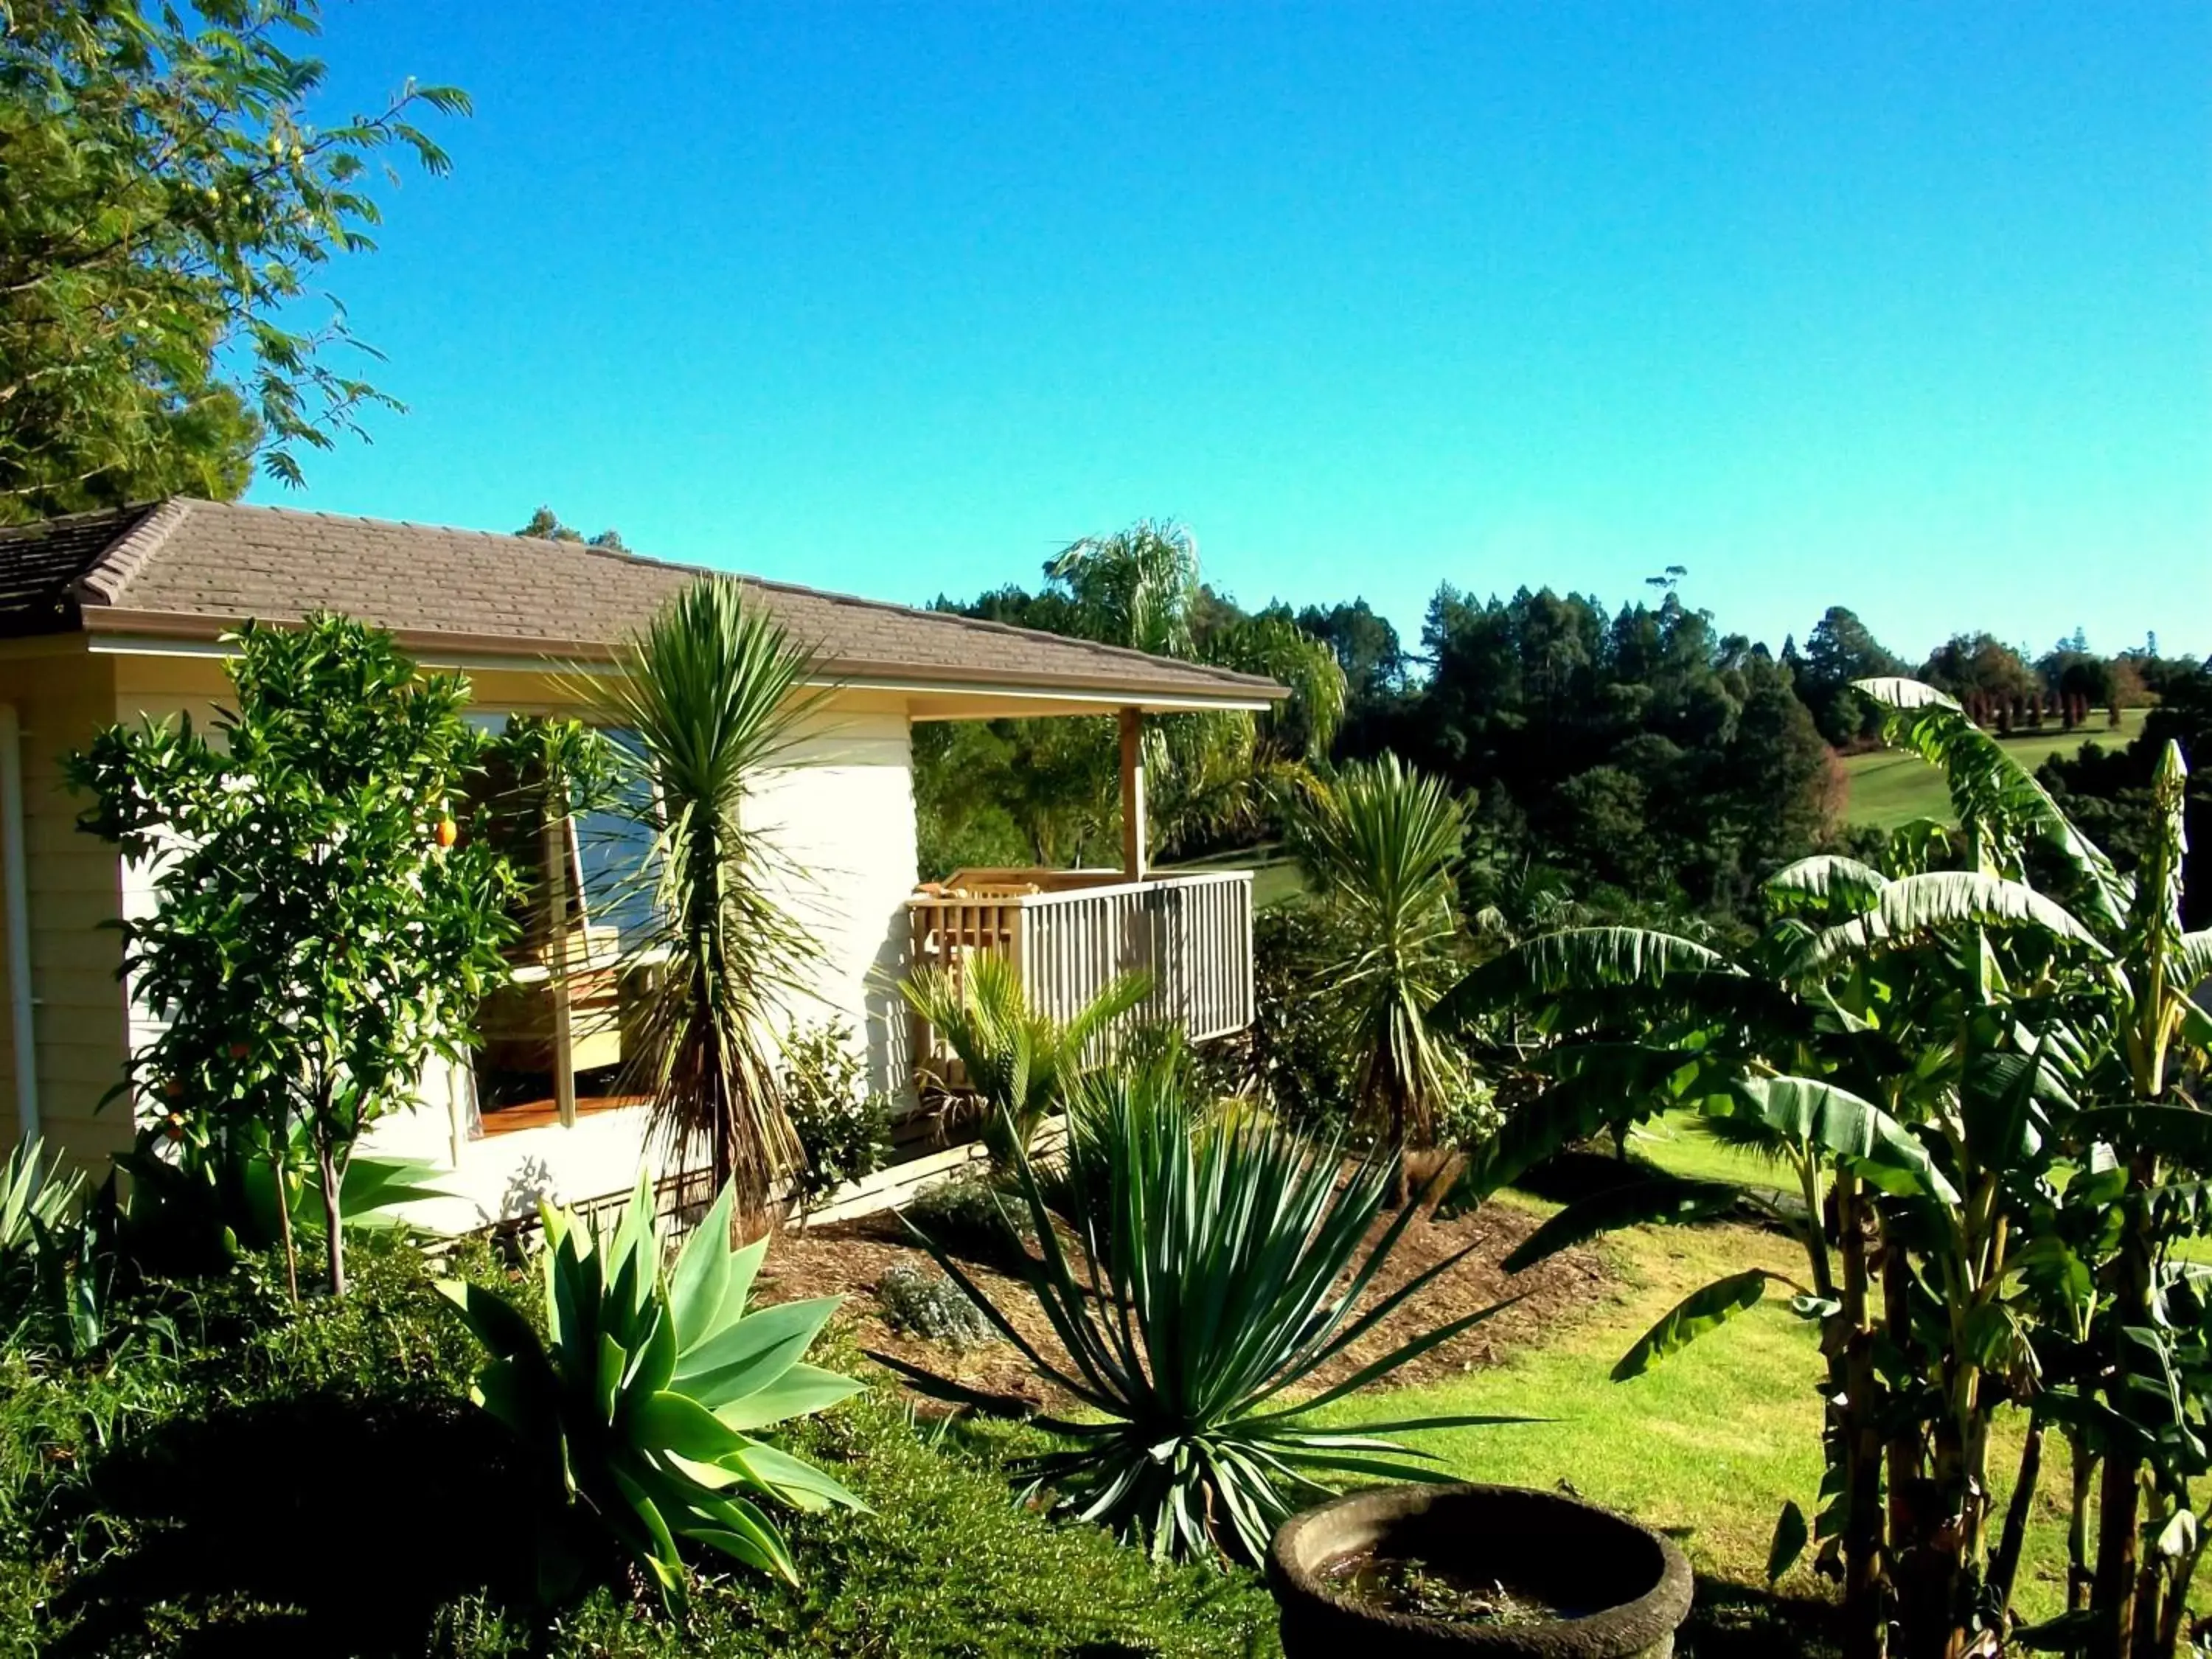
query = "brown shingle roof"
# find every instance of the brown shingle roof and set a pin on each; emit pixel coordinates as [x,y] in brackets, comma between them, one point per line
[195,568]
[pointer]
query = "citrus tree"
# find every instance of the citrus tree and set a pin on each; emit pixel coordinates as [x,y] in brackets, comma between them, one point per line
[319,935]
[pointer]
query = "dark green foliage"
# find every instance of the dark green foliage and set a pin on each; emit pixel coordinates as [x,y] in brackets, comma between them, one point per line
[973,1217]
[169,208]
[1047,790]
[1305,1077]
[844,1127]
[1366,645]
[1840,649]
[154,1507]
[1638,752]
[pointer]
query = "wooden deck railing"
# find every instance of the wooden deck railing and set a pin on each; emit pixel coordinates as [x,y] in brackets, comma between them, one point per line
[1191,934]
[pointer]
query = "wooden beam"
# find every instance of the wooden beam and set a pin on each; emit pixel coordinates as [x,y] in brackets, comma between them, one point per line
[1134,825]
[556,959]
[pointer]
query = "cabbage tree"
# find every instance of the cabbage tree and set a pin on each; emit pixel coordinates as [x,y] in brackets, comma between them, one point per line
[1381,847]
[716,696]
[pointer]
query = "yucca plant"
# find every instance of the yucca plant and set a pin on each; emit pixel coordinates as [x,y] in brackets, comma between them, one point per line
[716,694]
[1018,1059]
[642,1400]
[1223,1262]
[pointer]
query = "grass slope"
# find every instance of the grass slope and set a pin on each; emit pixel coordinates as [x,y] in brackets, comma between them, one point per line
[1708,1444]
[1275,874]
[1888,788]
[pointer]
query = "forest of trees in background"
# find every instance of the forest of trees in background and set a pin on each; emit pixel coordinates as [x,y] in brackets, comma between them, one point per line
[1637,760]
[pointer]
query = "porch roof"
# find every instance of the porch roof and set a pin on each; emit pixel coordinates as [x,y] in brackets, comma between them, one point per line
[181,570]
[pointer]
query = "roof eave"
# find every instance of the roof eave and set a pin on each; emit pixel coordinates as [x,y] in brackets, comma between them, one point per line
[116,629]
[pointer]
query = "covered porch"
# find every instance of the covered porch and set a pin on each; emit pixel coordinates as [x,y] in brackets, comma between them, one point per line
[1070,933]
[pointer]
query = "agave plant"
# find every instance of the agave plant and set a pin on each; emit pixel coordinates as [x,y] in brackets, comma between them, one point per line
[32,1194]
[1222,1264]
[643,1400]
[1018,1059]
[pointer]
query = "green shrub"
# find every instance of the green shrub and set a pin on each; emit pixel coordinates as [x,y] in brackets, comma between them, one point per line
[422,1546]
[942,1564]
[843,1127]
[1300,1074]
[973,1217]
[932,1307]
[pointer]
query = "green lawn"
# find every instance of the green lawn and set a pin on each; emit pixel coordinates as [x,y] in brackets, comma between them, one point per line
[1275,875]
[1888,788]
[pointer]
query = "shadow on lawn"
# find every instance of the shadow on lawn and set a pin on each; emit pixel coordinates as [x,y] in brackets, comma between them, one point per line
[319,1525]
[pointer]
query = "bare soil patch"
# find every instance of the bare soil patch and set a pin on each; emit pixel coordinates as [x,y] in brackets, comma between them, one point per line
[847,1259]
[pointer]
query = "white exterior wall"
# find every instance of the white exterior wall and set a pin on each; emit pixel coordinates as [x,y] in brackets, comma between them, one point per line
[842,814]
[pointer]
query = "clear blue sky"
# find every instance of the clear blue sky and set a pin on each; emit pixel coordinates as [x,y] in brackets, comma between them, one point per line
[1906,306]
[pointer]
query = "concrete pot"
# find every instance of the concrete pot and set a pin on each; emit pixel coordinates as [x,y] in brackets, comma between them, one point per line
[1569,1553]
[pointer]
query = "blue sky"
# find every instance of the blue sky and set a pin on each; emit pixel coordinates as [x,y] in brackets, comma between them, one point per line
[1904,307]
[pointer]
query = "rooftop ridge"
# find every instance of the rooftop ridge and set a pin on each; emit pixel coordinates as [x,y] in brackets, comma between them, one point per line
[104,580]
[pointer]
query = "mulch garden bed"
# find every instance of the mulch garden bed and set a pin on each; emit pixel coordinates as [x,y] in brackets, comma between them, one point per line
[847,1258]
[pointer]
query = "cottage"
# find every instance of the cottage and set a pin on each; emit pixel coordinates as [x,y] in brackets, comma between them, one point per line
[120,614]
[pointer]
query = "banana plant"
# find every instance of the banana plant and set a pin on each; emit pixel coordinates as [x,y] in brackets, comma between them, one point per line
[643,1403]
[2014,1019]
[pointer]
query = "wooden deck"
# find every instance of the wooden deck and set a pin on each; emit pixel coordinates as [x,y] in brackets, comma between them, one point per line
[1071,934]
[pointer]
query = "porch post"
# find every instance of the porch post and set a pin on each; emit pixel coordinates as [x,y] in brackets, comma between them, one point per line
[1133,826]
[556,959]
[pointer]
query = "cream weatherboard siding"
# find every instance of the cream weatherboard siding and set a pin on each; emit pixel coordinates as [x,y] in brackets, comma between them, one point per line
[63,695]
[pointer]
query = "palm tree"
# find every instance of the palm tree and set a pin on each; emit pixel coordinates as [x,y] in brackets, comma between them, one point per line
[1382,848]
[1019,1059]
[1209,773]
[716,693]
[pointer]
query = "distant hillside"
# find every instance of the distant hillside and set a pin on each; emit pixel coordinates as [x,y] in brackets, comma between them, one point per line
[1888,788]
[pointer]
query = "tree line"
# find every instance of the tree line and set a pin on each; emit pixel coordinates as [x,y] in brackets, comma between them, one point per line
[1642,757]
